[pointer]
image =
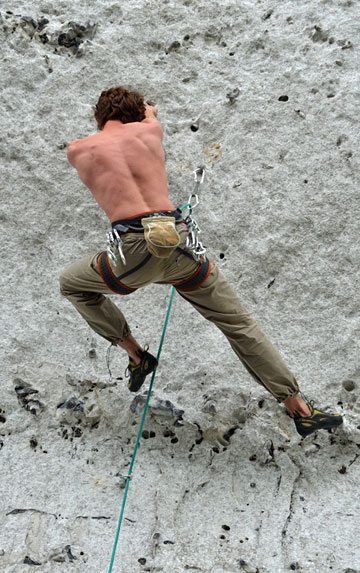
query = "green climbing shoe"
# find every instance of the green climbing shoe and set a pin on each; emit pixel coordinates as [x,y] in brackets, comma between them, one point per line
[317,420]
[138,372]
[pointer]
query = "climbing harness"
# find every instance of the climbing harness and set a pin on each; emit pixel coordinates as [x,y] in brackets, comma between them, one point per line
[197,278]
[128,477]
[195,246]
[114,243]
[114,283]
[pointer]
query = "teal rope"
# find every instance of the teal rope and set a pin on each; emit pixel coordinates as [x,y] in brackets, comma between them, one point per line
[139,433]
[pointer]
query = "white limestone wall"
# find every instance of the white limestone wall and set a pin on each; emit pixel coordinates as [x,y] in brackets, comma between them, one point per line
[266,96]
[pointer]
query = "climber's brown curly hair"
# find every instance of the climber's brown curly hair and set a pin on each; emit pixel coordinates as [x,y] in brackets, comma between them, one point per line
[119,103]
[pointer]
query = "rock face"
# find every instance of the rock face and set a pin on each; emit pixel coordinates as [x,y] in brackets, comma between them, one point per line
[266,96]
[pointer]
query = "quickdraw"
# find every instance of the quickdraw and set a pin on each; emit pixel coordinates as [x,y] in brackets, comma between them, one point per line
[193,243]
[114,247]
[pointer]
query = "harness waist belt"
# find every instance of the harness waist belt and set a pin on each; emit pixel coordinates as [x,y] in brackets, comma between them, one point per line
[134,224]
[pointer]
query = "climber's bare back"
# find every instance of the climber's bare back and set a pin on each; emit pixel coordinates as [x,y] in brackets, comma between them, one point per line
[124,167]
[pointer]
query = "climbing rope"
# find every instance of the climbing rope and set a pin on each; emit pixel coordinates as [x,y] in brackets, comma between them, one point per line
[196,246]
[128,477]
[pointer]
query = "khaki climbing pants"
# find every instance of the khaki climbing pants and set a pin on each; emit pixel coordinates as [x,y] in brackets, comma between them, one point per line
[83,285]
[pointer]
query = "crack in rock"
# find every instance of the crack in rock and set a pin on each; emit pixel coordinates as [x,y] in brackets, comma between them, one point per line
[291,508]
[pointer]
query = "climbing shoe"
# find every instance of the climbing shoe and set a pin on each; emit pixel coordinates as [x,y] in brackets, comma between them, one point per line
[138,372]
[317,420]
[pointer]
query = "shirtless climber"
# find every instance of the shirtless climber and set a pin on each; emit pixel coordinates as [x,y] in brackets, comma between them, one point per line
[124,167]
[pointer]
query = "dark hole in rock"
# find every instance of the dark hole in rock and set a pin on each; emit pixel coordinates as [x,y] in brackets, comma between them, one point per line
[222,255]
[29,561]
[305,181]
[267,15]
[142,560]
[2,419]
[152,434]
[168,433]
[199,441]
[145,434]
[342,470]
[69,554]
[168,542]
[187,37]
[22,391]
[216,450]
[174,440]
[261,403]
[174,46]
[226,527]
[348,385]
[222,537]
[231,53]
[284,98]
[42,23]
[230,433]
[194,127]
[252,458]
[253,484]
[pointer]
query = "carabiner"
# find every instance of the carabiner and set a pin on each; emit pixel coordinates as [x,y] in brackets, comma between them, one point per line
[199,171]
